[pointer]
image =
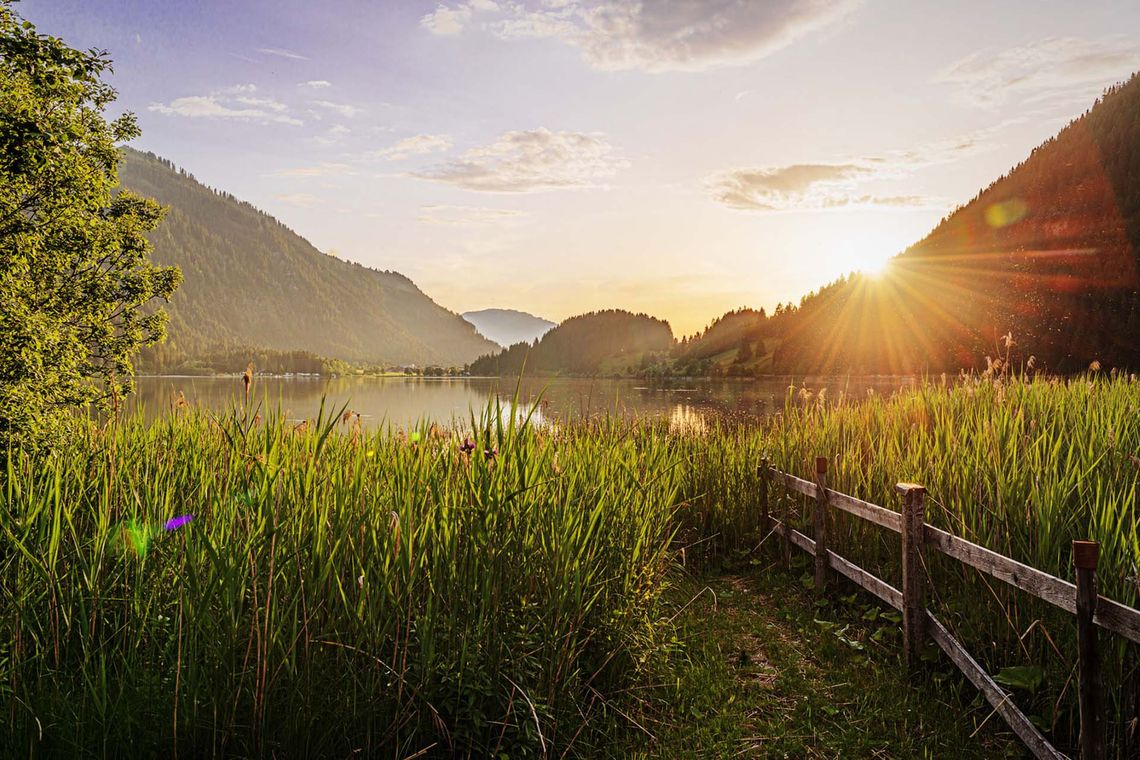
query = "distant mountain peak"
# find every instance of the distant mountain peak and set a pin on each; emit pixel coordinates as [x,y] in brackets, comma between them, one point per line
[508,326]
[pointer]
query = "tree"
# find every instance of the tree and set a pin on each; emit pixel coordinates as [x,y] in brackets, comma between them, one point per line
[75,277]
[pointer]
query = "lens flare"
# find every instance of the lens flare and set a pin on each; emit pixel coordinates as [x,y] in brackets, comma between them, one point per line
[1008,212]
[177,522]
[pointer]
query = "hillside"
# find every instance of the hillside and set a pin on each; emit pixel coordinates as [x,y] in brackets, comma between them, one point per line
[508,326]
[1048,253]
[602,342]
[251,281]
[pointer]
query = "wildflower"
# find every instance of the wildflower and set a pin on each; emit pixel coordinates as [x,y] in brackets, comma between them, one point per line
[1032,362]
[1008,340]
[491,453]
[1095,366]
[468,446]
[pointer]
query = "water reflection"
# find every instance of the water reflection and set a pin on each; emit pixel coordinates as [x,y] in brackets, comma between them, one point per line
[688,405]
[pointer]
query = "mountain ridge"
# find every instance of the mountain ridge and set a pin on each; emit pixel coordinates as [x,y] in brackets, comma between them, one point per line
[250,280]
[508,326]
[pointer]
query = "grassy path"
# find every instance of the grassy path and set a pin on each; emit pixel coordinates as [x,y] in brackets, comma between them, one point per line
[772,671]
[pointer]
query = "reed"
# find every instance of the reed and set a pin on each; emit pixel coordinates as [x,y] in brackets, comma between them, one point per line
[497,588]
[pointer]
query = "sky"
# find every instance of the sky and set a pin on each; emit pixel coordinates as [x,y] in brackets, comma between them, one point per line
[676,157]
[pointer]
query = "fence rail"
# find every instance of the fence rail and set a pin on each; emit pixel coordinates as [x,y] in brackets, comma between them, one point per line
[1092,611]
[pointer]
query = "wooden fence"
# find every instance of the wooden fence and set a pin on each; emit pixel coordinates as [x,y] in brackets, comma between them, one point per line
[1092,611]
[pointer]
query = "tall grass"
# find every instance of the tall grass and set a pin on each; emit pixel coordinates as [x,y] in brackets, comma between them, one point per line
[1021,466]
[493,590]
[334,592]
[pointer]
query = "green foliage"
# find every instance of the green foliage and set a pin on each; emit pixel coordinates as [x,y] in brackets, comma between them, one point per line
[74,268]
[335,592]
[252,281]
[341,591]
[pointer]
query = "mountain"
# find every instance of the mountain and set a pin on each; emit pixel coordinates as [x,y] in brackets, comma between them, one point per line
[251,281]
[507,326]
[1043,263]
[602,342]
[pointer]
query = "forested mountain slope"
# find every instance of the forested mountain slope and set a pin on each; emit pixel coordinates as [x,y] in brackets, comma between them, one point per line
[1048,253]
[251,281]
[601,342]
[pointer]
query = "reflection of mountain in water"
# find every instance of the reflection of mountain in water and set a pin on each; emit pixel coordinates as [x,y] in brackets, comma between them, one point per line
[404,401]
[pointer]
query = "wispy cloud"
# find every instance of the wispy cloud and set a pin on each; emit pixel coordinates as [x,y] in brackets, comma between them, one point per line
[344,109]
[662,35]
[315,84]
[323,169]
[282,53]
[839,184]
[467,216]
[417,145]
[298,199]
[520,162]
[1056,68]
[228,103]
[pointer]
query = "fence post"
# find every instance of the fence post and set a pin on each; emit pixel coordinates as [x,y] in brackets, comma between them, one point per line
[819,523]
[913,581]
[1091,690]
[762,474]
[785,527]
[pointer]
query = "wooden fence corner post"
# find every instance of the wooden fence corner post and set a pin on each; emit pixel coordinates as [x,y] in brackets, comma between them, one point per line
[819,523]
[762,474]
[913,579]
[1091,688]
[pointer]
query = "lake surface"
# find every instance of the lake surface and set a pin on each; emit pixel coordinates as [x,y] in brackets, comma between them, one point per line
[687,403]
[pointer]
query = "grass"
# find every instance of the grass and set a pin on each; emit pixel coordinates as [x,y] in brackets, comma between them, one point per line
[767,669]
[398,592]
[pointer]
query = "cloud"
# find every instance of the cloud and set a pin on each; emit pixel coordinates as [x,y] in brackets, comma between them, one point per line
[837,184]
[1056,68]
[519,162]
[227,103]
[466,216]
[413,146]
[298,199]
[343,109]
[662,35]
[315,84]
[323,169]
[281,53]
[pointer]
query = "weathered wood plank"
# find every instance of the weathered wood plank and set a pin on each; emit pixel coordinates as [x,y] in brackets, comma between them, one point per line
[1118,618]
[794,537]
[1000,700]
[1029,579]
[882,516]
[799,485]
[865,580]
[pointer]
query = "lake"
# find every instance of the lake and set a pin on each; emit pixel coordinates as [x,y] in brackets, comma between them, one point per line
[688,404]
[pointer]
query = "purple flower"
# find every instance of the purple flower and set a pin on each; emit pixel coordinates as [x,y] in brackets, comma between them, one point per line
[177,522]
[468,446]
[490,453]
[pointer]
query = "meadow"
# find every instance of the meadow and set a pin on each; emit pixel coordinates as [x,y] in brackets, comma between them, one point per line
[239,585]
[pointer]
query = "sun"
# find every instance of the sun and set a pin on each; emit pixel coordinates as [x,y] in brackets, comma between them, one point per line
[871,257]
[876,267]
